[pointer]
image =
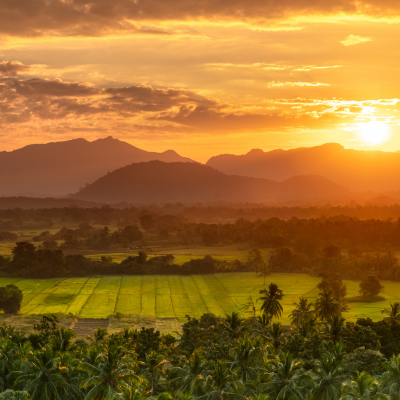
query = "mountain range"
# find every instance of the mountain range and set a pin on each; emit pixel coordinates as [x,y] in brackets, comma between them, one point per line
[160,182]
[359,170]
[59,168]
[320,172]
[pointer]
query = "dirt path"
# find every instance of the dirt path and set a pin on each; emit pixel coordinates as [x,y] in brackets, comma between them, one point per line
[85,326]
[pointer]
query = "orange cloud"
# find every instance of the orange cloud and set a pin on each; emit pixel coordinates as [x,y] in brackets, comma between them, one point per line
[351,40]
[12,68]
[67,18]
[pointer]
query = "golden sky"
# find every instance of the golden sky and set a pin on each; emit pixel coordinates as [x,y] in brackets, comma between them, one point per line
[202,77]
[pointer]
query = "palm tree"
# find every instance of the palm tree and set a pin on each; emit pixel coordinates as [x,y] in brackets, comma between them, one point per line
[265,269]
[334,328]
[233,324]
[62,340]
[326,305]
[286,380]
[41,377]
[153,367]
[329,375]
[8,353]
[246,359]
[111,376]
[271,305]
[393,313]
[190,376]
[363,387]
[302,312]
[222,383]
[306,328]
[275,335]
[390,379]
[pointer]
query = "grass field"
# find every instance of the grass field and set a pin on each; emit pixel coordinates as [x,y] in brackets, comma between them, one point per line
[175,296]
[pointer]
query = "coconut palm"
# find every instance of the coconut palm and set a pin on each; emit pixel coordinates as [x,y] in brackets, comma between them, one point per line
[334,328]
[62,340]
[275,335]
[329,374]
[246,359]
[8,357]
[233,324]
[112,375]
[42,378]
[302,312]
[190,376]
[390,379]
[306,328]
[287,379]
[326,305]
[222,383]
[363,387]
[271,305]
[393,313]
[153,367]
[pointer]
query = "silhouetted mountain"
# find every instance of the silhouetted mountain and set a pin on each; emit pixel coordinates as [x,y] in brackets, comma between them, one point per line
[158,182]
[356,169]
[63,167]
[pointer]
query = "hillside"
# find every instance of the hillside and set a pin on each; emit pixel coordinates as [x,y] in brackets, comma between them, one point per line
[359,170]
[56,169]
[159,182]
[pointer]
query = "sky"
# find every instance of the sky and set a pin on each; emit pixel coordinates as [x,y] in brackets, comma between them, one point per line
[202,77]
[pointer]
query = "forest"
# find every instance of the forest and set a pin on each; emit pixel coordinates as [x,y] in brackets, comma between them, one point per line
[319,356]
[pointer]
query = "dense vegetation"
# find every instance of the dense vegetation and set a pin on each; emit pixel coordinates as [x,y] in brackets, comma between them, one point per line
[319,357]
[49,260]
[33,213]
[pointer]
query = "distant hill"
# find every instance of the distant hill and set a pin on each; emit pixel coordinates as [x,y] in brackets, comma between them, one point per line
[56,169]
[159,182]
[359,170]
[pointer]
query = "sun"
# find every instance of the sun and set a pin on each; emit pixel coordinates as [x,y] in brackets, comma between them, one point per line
[374,132]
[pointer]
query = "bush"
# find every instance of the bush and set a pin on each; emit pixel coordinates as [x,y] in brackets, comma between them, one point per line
[14,395]
[10,299]
[370,286]
[365,360]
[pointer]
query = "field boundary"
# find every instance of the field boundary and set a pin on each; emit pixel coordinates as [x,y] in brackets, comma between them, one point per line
[119,289]
[87,280]
[91,294]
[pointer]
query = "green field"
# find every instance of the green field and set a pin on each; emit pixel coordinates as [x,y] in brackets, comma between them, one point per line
[175,296]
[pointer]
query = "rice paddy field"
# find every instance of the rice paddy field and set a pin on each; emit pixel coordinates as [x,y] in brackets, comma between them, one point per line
[173,296]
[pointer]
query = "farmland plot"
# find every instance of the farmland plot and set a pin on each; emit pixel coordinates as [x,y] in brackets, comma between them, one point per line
[169,298]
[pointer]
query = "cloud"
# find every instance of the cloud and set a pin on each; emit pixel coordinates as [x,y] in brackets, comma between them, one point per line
[13,68]
[66,18]
[351,40]
[52,105]
[311,84]
[271,67]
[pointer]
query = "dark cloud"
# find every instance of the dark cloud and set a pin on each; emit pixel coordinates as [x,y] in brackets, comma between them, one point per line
[40,100]
[216,119]
[13,68]
[55,99]
[31,18]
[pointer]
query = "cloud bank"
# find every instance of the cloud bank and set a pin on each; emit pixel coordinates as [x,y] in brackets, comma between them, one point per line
[35,18]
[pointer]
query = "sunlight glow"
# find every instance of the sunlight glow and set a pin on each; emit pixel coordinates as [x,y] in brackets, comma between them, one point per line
[374,132]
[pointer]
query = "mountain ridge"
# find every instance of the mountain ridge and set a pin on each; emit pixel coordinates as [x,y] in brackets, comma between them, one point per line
[59,168]
[158,182]
[361,170]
